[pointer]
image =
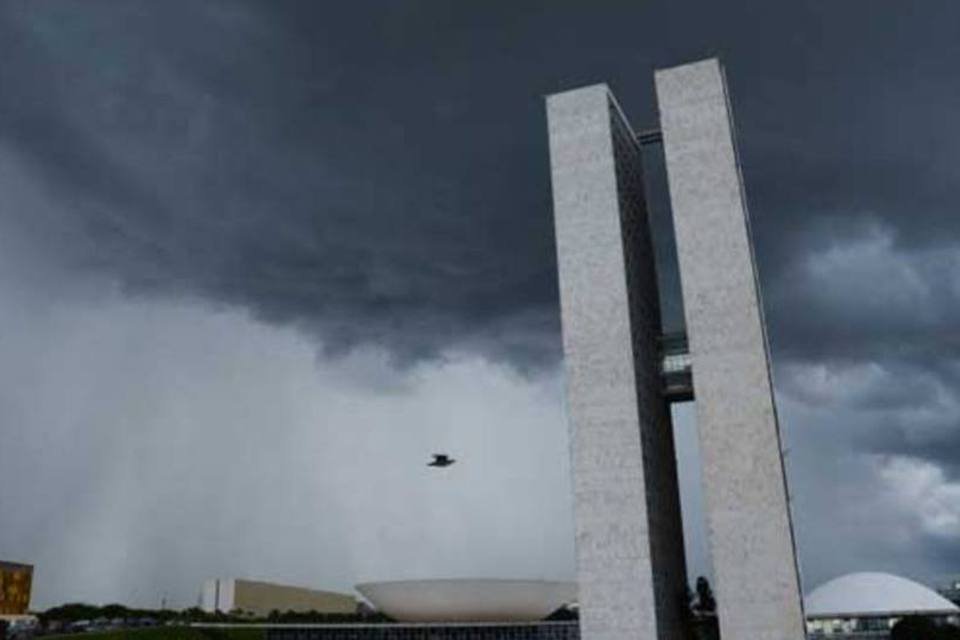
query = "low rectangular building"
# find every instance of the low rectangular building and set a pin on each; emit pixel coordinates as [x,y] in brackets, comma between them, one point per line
[260,598]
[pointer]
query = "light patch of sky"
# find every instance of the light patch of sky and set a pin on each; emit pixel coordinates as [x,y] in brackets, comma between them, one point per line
[150,444]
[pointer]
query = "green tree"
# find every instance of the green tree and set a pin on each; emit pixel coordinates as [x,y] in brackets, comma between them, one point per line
[921,628]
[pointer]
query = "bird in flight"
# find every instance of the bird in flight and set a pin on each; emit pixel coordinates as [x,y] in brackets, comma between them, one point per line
[441,460]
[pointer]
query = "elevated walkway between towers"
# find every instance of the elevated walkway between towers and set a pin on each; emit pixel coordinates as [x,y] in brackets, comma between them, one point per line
[676,367]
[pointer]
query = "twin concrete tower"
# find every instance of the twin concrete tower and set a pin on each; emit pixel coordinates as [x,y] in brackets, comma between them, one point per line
[622,373]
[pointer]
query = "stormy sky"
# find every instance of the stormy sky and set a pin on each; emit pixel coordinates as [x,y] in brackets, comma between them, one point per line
[258,260]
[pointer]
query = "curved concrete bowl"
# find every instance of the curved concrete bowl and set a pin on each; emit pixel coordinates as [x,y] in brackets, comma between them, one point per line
[476,600]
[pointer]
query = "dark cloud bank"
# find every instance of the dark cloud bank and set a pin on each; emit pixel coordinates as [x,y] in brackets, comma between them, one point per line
[375,175]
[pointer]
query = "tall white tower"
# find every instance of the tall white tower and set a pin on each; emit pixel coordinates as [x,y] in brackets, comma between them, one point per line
[630,562]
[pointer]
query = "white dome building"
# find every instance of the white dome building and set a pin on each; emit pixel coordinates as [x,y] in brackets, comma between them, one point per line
[871,603]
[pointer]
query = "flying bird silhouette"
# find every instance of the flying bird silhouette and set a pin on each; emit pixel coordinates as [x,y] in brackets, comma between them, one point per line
[441,460]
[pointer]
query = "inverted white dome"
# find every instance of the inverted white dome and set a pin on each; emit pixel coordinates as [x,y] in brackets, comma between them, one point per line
[477,600]
[879,594]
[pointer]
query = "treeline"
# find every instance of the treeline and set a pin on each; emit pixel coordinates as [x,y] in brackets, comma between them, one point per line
[76,611]
[919,628]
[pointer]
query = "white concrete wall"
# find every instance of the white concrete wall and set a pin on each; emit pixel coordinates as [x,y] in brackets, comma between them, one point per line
[208,596]
[750,534]
[217,595]
[228,590]
[621,504]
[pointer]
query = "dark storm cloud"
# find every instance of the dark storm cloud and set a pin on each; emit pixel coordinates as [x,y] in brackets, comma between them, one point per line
[377,173]
[863,293]
[886,409]
[245,161]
